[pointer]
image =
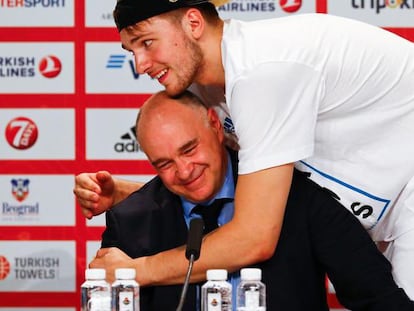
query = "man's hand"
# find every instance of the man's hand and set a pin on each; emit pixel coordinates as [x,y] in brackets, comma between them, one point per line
[112,258]
[94,192]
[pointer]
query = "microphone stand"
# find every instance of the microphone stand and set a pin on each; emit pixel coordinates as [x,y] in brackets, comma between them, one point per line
[192,253]
[186,282]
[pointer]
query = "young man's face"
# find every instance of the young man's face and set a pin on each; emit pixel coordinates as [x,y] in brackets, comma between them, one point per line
[164,51]
[186,150]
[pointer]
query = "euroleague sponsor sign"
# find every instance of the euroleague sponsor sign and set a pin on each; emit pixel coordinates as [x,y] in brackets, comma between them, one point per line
[260,9]
[23,13]
[380,5]
[32,3]
[108,62]
[98,13]
[37,133]
[21,133]
[383,13]
[11,67]
[36,68]
[20,191]
[37,266]
[4,267]
[120,142]
[23,201]
[50,66]
[40,267]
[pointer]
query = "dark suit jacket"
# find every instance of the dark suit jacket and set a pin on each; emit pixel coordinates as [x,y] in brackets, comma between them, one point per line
[318,236]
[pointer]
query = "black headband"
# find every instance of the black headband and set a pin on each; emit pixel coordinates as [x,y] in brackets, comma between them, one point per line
[130,12]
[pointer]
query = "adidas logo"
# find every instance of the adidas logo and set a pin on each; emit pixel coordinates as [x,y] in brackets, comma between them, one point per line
[128,142]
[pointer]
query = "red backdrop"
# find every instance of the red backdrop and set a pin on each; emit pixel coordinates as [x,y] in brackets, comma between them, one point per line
[86,100]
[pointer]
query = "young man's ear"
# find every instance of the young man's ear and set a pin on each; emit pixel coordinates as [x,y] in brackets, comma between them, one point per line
[194,22]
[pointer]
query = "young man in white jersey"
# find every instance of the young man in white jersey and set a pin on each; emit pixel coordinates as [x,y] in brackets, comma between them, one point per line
[319,237]
[329,95]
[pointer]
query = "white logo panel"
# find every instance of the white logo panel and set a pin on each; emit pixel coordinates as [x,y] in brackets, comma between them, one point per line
[41,13]
[397,13]
[91,248]
[37,266]
[37,200]
[99,221]
[111,70]
[98,13]
[262,9]
[115,142]
[54,136]
[33,68]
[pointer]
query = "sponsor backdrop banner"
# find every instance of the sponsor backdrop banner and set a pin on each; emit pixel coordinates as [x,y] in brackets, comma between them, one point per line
[32,67]
[69,96]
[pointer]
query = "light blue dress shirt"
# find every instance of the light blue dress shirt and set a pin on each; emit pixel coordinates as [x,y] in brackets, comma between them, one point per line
[226,214]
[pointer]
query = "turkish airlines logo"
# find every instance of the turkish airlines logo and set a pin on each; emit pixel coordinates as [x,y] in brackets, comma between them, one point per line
[50,66]
[290,6]
[4,267]
[21,133]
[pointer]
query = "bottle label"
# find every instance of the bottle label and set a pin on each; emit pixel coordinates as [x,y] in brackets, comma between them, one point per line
[99,302]
[252,299]
[126,301]
[213,302]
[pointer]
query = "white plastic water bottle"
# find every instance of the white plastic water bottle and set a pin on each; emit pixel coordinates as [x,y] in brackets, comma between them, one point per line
[216,292]
[251,292]
[125,291]
[95,291]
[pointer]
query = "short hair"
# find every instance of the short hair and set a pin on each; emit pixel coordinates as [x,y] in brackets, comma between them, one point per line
[186,98]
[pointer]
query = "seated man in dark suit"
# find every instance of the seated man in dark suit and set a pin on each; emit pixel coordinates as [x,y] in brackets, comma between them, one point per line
[184,142]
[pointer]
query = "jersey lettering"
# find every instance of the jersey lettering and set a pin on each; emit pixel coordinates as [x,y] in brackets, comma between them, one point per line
[364,210]
[368,208]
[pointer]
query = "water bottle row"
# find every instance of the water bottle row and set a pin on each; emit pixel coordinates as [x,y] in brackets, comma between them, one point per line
[216,293]
[98,295]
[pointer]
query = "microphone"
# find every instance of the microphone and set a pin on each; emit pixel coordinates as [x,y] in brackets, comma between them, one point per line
[192,253]
[195,235]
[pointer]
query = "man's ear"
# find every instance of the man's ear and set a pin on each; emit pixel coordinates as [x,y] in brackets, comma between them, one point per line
[214,119]
[194,22]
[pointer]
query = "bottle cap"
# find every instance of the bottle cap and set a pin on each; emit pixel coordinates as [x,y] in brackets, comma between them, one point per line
[95,274]
[251,274]
[217,274]
[125,273]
